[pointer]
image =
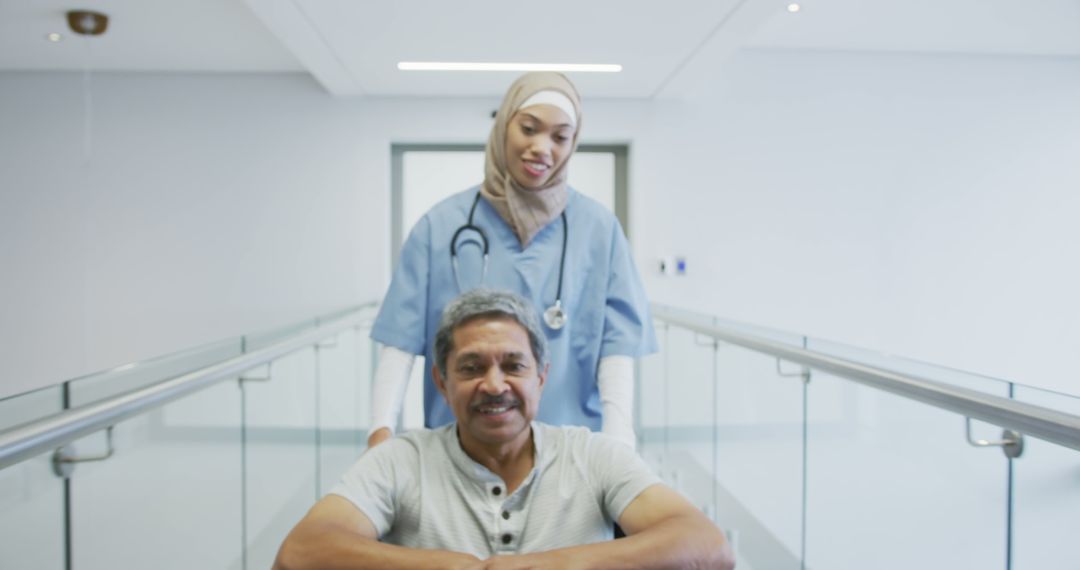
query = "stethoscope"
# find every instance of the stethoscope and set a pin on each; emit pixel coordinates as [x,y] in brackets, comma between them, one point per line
[554,316]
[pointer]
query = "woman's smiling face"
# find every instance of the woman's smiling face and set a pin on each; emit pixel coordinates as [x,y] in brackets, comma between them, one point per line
[539,138]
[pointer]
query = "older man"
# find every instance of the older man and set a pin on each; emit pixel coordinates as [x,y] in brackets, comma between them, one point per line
[495,489]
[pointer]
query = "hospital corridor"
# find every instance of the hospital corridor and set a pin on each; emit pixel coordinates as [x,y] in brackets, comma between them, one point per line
[812,265]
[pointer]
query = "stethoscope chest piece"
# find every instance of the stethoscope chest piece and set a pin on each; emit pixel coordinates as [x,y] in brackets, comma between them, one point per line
[555,316]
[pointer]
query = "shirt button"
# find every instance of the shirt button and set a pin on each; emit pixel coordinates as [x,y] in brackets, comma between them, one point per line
[506,538]
[506,515]
[497,491]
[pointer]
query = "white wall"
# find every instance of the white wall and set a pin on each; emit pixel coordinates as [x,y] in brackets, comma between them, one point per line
[922,205]
[209,206]
[916,204]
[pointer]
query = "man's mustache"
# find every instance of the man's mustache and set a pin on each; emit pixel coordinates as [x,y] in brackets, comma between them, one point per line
[502,400]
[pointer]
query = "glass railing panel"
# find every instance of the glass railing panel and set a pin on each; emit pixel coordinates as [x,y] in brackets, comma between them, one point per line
[651,414]
[739,327]
[722,426]
[343,389]
[112,382]
[912,367]
[262,339]
[366,351]
[120,379]
[1046,494]
[759,451]
[682,448]
[893,483]
[31,496]
[169,497]
[681,313]
[281,455]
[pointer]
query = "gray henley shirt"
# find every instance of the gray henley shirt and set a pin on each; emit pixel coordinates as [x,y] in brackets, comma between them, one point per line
[421,490]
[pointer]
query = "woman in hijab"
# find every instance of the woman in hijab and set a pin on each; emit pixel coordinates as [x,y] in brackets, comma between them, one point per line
[544,241]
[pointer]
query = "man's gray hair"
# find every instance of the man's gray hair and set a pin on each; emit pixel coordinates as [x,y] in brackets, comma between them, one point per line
[488,303]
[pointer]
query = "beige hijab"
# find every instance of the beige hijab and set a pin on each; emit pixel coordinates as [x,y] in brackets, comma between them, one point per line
[526,211]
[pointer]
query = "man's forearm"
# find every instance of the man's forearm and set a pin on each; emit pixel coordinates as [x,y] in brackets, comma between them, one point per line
[680,542]
[329,547]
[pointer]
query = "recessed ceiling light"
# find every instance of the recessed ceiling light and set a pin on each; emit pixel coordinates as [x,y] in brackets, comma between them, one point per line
[54,37]
[465,66]
[793,7]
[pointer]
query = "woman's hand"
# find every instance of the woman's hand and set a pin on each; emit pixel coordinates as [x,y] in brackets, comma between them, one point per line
[378,436]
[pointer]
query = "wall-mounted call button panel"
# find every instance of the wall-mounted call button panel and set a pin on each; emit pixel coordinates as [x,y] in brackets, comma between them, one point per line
[674,265]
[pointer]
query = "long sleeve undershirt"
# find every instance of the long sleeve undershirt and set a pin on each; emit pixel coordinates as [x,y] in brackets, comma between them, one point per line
[388,390]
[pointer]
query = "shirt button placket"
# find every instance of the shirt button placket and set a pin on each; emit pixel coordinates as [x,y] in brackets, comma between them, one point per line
[510,526]
[502,538]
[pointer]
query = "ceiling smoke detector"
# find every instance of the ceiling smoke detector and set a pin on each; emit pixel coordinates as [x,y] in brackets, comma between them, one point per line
[87,23]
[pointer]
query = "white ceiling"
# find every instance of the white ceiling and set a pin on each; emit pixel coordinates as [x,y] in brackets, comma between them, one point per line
[352,46]
[988,27]
[357,45]
[143,35]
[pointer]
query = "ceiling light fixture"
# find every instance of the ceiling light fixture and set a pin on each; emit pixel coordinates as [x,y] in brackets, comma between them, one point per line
[793,7]
[465,66]
[54,37]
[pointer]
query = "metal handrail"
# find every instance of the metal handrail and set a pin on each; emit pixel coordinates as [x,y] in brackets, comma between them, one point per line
[30,439]
[1037,421]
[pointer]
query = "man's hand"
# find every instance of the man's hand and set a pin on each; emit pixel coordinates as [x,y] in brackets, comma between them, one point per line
[336,534]
[378,436]
[459,561]
[552,560]
[664,531]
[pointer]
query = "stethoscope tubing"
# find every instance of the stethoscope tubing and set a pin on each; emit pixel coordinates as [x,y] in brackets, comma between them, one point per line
[554,316]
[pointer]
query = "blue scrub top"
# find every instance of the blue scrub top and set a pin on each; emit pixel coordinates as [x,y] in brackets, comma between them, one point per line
[607,310]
